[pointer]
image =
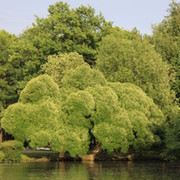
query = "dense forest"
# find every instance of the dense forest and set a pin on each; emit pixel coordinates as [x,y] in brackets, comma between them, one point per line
[73,82]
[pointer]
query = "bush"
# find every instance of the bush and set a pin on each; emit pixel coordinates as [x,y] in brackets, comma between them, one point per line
[12,151]
[2,155]
[172,139]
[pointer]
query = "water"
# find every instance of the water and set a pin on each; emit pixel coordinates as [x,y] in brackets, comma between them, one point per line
[90,171]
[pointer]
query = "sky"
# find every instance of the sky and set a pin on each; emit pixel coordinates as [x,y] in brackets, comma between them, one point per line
[17,15]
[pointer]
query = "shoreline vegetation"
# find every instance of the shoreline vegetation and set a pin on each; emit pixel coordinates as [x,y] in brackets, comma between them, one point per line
[75,84]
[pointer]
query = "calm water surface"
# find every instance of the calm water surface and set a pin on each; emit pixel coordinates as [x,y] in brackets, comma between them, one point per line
[92,171]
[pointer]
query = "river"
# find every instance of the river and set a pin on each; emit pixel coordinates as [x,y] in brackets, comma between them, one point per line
[90,171]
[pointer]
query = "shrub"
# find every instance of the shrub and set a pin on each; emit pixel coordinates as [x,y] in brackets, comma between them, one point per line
[2,155]
[12,150]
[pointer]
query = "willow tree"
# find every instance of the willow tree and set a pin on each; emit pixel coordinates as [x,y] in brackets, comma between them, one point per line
[117,118]
[38,119]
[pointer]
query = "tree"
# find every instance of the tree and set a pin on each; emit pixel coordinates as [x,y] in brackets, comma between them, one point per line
[99,106]
[25,61]
[125,57]
[68,30]
[7,80]
[166,38]
[36,106]
[38,119]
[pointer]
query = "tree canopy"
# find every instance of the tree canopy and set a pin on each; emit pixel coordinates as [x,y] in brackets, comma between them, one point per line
[68,30]
[125,57]
[166,38]
[39,119]
[118,116]
[7,79]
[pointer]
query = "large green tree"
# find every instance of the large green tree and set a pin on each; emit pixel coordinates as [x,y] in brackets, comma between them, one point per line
[7,79]
[69,30]
[125,56]
[117,115]
[38,119]
[166,38]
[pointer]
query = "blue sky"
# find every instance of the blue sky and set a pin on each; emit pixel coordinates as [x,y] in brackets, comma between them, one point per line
[17,15]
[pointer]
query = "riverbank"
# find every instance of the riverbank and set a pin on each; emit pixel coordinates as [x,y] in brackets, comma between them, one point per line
[44,156]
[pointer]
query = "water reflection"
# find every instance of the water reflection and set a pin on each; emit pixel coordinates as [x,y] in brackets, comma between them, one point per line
[90,171]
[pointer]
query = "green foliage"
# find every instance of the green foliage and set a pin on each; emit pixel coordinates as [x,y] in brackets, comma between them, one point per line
[58,65]
[77,29]
[14,120]
[38,88]
[172,138]
[76,141]
[12,150]
[74,102]
[117,115]
[23,120]
[79,107]
[83,77]
[116,133]
[38,109]
[1,110]
[106,103]
[25,61]
[7,79]
[68,30]
[80,78]
[112,137]
[125,57]
[38,118]
[2,156]
[166,38]
[5,41]
[145,117]
[40,139]
[64,30]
